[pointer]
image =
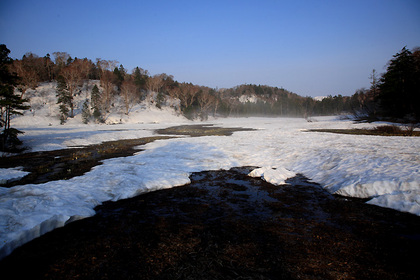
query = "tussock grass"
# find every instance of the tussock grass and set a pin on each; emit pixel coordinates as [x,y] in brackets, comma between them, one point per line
[200,130]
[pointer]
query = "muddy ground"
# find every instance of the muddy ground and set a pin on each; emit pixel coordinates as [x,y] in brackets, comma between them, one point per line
[226,225]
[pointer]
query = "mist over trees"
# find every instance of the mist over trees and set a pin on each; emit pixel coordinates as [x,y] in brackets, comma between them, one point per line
[394,94]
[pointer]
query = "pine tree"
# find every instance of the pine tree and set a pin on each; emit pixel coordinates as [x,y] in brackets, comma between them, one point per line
[140,78]
[119,74]
[95,98]
[86,115]
[160,99]
[64,99]
[10,103]
[64,113]
[399,90]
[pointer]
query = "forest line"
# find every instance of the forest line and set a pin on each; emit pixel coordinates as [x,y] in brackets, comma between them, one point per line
[394,95]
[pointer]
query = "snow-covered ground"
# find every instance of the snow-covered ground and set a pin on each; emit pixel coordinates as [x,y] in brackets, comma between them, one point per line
[384,169]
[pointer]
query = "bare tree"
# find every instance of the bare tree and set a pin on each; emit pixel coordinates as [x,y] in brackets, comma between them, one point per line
[105,65]
[28,76]
[154,83]
[205,100]
[129,93]
[374,83]
[108,89]
[187,94]
[60,59]
[106,77]
[216,105]
[174,93]
[233,104]
[84,67]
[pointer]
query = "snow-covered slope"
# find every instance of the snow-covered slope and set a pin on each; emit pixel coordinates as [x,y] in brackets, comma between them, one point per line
[384,169]
[45,110]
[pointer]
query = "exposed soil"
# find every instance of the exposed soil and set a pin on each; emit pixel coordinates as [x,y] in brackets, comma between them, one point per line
[226,225]
[201,130]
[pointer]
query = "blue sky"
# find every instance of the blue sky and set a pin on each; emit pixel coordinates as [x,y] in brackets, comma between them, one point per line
[312,48]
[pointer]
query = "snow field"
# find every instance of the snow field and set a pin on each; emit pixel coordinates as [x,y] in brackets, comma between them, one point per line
[385,169]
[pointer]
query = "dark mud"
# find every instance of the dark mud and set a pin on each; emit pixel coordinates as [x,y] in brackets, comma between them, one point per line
[201,130]
[226,225]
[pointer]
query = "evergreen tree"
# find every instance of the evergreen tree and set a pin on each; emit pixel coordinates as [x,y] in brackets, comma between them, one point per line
[140,78]
[86,115]
[95,98]
[160,99]
[10,103]
[399,90]
[119,74]
[63,98]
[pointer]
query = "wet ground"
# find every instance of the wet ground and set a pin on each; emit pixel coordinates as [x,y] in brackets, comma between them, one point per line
[226,225]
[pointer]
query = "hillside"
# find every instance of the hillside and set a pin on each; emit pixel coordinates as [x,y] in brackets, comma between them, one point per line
[44,109]
[156,107]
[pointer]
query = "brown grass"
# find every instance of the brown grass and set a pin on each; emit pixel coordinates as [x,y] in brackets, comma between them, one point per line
[383,130]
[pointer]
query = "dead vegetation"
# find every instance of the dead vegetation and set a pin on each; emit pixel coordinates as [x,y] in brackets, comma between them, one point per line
[383,130]
[200,130]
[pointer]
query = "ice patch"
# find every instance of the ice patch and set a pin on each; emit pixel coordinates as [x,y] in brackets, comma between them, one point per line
[11,174]
[377,188]
[275,176]
[407,201]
